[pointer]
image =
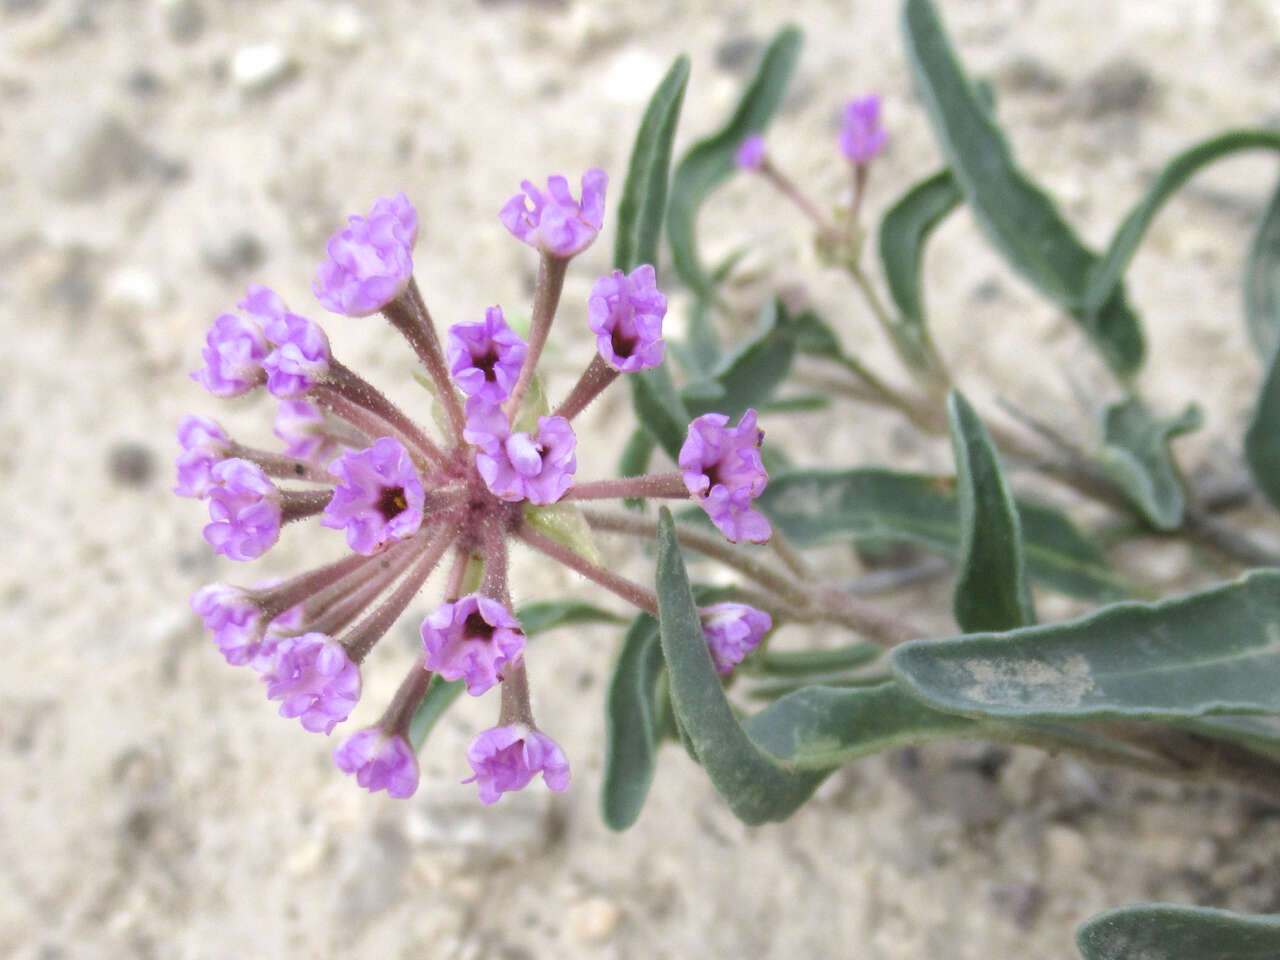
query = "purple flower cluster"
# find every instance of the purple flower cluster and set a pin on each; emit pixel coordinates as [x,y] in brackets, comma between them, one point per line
[750,154]
[724,473]
[733,630]
[245,510]
[380,761]
[475,639]
[861,135]
[517,466]
[405,500]
[625,312]
[554,222]
[371,260]
[379,496]
[508,757]
[485,358]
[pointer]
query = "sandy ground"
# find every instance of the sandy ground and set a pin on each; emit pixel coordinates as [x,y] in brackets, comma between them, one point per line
[155,157]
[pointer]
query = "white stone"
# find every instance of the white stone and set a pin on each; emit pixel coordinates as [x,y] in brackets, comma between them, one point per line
[260,66]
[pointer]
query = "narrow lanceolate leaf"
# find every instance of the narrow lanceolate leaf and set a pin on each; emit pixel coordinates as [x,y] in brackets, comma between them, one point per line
[754,785]
[750,374]
[1106,273]
[800,663]
[547,615]
[1135,455]
[644,194]
[659,408]
[1016,215]
[1215,651]
[991,590]
[903,233]
[440,696]
[815,507]
[1262,280]
[1262,438]
[1166,931]
[631,725]
[709,162]
[820,728]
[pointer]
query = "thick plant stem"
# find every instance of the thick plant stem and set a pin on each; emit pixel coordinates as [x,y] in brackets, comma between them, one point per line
[709,545]
[371,629]
[300,504]
[546,298]
[409,695]
[516,707]
[275,600]
[787,187]
[410,316]
[790,556]
[799,601]
[1192,756]
[650,485]
[628,590]
[279,466]
[590,385]
[346,389]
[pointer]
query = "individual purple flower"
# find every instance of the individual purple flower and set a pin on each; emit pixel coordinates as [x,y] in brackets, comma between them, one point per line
[300,358]
[370,260]
[507,758]
[626,312]
[516,466]
[303,428]
[724,472]
[379,496]
[244,509]
[314,680]
[733,630]
[475,639]
[233,618]
[861,136]
[750,153]
[236,345]
[485,357]
[380,761]
[203,444]
[554,222]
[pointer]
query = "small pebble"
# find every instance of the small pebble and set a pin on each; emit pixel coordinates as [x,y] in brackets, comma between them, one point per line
[130,290]
[346,29]
[184,19]
[130,464]
[260,67]
[231,252]
[593,920]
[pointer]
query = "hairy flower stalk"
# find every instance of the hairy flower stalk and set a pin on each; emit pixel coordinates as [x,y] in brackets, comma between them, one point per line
[401,499]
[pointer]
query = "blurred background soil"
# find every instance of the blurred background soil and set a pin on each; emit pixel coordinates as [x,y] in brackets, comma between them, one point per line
[156,156]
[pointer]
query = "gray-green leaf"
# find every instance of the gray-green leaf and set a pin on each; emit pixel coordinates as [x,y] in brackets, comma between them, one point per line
[644,194]
[1215,651]
[1135,455]
[991,590]
[1105,275]
[1017,216]
[1262,438]
[709,162]
[631,727]
[1166,931]
[1262,280]
[754,785]
[903,233]
[814,507]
